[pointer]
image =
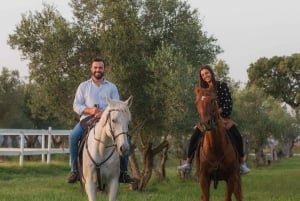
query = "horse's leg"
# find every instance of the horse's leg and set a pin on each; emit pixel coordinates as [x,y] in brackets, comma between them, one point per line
[238,188]
[90,177]
[229,189]
[233,186]
[113,188]
[205,185]
[113,172]
[91,189]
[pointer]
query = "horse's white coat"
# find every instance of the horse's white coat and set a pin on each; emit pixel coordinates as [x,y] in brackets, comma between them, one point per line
[113,124]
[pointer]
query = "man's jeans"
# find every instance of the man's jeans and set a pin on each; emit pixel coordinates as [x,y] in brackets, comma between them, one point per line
[75,136]
[124,161]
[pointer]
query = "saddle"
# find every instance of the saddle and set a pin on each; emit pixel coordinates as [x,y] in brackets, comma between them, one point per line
[88,122]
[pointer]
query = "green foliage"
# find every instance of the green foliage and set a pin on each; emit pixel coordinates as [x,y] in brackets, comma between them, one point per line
[131,36]
[278,77]
[12,101]
[221,70]
[261,117]
[46,40]
[172,109]
[252,115]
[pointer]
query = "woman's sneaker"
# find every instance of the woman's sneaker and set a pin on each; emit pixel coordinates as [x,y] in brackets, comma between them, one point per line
[185,167]
[244,169]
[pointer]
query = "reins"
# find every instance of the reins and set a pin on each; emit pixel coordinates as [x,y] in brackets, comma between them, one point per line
[99,164]
[211,124]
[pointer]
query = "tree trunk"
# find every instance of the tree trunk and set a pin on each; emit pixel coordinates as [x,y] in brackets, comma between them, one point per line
[59,141]
[259,154]
[160,171]
[148,165]
[135,171]
[287,148]
[163,161]
[148,161]
[291,148]
[5,141]
[246,148]
[32,142]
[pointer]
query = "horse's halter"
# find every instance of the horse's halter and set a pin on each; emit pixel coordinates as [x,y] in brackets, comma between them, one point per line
[114,136]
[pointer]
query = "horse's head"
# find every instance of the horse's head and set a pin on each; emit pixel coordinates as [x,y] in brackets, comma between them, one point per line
[206,103]
[115,120]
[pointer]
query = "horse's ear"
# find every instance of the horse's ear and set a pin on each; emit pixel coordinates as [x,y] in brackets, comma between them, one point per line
[129,101]
[108,100]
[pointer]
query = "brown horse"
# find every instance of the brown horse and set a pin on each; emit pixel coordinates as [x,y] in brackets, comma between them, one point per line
[216,159]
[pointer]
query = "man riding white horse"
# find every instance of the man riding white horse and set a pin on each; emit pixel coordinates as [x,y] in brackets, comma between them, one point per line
[90,100]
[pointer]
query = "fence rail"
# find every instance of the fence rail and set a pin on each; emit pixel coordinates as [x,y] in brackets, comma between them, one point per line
[44,150]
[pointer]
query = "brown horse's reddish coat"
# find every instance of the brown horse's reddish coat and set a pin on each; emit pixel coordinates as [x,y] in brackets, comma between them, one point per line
[216,158]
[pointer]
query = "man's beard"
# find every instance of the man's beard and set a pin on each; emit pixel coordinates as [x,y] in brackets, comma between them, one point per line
[98,75]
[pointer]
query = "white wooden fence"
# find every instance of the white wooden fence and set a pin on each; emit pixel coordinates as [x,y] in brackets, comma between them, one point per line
[44,150]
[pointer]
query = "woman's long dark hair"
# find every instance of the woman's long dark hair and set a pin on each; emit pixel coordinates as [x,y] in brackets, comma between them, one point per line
[204,84]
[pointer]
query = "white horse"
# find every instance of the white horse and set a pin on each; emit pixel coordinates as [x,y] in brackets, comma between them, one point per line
[105,143]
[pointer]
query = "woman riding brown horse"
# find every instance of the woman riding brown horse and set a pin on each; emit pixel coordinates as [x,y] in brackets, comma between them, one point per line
[224,100]
[217,159]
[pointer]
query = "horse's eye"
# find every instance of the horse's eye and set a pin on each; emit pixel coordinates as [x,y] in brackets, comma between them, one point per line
[114,120]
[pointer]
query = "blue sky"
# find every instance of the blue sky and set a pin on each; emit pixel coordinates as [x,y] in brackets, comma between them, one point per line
[246,30]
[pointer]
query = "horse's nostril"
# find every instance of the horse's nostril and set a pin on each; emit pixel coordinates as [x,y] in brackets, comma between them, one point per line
[123,149]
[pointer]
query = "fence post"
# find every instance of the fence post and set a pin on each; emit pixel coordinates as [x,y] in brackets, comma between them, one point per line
[22,149]
[43,147]
[49,145]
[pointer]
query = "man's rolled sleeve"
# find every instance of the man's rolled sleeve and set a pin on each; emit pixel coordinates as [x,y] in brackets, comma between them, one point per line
[79,102]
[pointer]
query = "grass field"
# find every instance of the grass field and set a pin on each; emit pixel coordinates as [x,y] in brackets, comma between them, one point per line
[40,182]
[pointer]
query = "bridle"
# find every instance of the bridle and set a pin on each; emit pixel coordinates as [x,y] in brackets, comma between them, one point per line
[212,123]
[213,114]
[114,136]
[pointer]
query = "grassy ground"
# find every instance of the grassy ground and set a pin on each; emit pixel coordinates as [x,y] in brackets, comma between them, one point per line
[40,182]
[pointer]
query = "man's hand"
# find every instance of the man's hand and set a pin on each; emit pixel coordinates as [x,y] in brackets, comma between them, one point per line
[97,112]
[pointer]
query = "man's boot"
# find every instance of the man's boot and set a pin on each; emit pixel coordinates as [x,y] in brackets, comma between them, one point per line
[74,177]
